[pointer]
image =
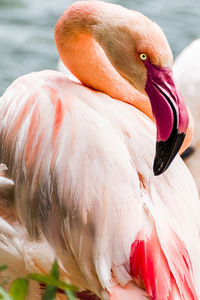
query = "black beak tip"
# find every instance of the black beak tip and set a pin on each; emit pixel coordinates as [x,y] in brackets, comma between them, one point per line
[166,151]
[161,163]
[158,168]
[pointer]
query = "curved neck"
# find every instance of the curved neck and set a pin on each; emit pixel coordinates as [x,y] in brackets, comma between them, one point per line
[86,59]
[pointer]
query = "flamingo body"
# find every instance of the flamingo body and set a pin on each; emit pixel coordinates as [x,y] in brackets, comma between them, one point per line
[104,206]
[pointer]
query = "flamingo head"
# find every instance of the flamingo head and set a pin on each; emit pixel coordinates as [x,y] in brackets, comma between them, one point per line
[143,57]
[154,57]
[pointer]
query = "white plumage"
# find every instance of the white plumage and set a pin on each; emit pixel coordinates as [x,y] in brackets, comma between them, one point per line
[86,181]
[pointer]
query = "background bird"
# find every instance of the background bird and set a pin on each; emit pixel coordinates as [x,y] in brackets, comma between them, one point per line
[187,74]
[82,161]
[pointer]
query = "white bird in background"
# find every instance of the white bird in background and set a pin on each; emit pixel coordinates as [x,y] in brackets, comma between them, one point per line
[62,68]
[81,160]
[187,74]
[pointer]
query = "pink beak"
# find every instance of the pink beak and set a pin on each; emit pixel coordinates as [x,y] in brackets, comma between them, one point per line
[170,114]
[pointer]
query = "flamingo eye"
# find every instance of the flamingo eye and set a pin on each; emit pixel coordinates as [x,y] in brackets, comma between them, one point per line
[143,56]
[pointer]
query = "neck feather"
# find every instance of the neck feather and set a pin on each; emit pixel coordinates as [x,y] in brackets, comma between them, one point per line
[85,58]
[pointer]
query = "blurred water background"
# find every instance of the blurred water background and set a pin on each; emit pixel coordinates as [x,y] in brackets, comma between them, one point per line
[27,29]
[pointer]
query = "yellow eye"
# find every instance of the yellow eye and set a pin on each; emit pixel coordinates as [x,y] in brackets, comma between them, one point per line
[143,56]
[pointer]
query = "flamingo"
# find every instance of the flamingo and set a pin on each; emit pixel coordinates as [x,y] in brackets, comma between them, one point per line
[81,158]
[187,74]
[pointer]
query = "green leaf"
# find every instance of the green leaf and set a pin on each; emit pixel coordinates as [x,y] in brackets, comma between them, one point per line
[70,295]
[49,293]
[19,289]
[4,295]
[51,281]
[55,270]
[3,267]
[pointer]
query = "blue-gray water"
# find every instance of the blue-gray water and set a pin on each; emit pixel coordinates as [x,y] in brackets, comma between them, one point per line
[26,30]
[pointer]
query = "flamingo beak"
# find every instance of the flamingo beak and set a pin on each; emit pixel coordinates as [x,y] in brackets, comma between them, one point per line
[170,114]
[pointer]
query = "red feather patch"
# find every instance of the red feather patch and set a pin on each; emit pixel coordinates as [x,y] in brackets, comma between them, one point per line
[162,279]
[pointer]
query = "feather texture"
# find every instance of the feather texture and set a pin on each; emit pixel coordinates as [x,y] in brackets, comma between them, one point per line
[82,166]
